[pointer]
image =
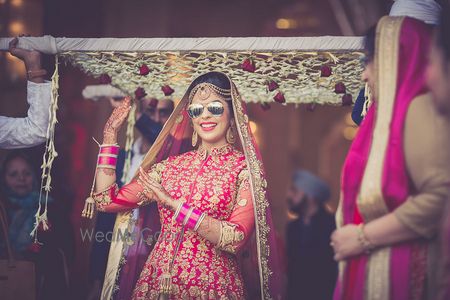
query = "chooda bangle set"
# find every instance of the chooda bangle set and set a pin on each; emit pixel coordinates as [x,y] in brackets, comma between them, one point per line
[107,156]
[189,217]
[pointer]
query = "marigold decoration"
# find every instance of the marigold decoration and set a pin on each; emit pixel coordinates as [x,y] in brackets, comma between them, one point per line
[272,85]
[144,70]
[105,79]
[339,88]
[167,90]
[325,71]
[279,97]
[248,65]
[347,100]
[140,93]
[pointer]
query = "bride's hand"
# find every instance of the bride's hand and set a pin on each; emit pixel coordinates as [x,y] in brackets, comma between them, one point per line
[155,190]
[115,121]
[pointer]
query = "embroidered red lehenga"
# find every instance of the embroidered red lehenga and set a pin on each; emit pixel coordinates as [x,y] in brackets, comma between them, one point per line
[227,184]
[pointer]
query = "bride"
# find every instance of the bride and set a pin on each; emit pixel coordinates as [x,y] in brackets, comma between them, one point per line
[215,220]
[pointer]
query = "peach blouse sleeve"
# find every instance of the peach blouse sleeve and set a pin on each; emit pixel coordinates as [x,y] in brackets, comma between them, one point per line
[239,227]
[130,196]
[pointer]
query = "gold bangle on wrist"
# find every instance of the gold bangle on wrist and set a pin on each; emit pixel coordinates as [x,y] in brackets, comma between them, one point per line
[362,238]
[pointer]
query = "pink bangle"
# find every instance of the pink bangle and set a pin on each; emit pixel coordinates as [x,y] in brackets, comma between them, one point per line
[110,149]
[106,160]
[183,211]
[188,216]
[193,219]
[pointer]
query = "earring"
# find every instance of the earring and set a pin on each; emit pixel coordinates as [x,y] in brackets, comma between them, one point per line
[230,136]
[194,138]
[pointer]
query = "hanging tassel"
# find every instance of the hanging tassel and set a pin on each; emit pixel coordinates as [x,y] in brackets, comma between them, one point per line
[368,100]
[89,203]
[49,156]
[89,208]
[165,286]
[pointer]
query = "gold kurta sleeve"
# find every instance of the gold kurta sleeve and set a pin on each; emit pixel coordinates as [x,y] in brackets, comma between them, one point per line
[427,155]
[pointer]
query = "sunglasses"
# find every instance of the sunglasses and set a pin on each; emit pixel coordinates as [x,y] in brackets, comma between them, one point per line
[195,110]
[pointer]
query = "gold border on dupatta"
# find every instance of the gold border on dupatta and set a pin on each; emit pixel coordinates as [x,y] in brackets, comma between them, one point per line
[258,185]
[370,199]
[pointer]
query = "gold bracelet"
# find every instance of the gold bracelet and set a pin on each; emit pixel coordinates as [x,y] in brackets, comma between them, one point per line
[362,238]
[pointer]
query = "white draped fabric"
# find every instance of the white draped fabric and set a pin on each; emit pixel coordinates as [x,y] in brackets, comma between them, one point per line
[51,45]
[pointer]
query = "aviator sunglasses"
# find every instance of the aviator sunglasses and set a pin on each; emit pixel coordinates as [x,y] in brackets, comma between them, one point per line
[195,110]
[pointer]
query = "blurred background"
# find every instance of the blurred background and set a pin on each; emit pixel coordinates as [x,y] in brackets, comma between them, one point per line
[290,137]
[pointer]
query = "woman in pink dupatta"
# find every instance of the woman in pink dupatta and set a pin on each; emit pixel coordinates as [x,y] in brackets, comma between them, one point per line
[394,184]
[223,247]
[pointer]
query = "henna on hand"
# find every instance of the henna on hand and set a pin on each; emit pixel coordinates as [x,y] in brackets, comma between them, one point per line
[115,121]
[107,171]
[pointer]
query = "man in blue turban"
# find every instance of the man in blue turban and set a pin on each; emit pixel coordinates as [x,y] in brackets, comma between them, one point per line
[311,268]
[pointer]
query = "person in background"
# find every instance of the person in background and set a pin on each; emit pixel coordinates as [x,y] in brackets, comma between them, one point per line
[152,116]
[425,10]
[395,179]
[438,81]
[19,197]
[311,268]
[31,130]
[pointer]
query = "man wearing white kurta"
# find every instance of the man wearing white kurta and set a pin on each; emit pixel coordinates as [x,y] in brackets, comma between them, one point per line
[32,129]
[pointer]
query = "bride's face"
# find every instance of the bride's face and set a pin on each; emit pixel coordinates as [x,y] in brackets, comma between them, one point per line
[211,118]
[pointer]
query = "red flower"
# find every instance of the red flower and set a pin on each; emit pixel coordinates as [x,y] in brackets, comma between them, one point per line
[140,93]
[272,86]
[325,71]
[144,70]
[248,65]
[311,107]
[167,90]
[279,97]
[265,106]
[347,100]
[35,247]
[339,88]
[105,79]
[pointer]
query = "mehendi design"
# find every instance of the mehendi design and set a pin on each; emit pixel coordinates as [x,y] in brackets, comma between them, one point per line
[108,171]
